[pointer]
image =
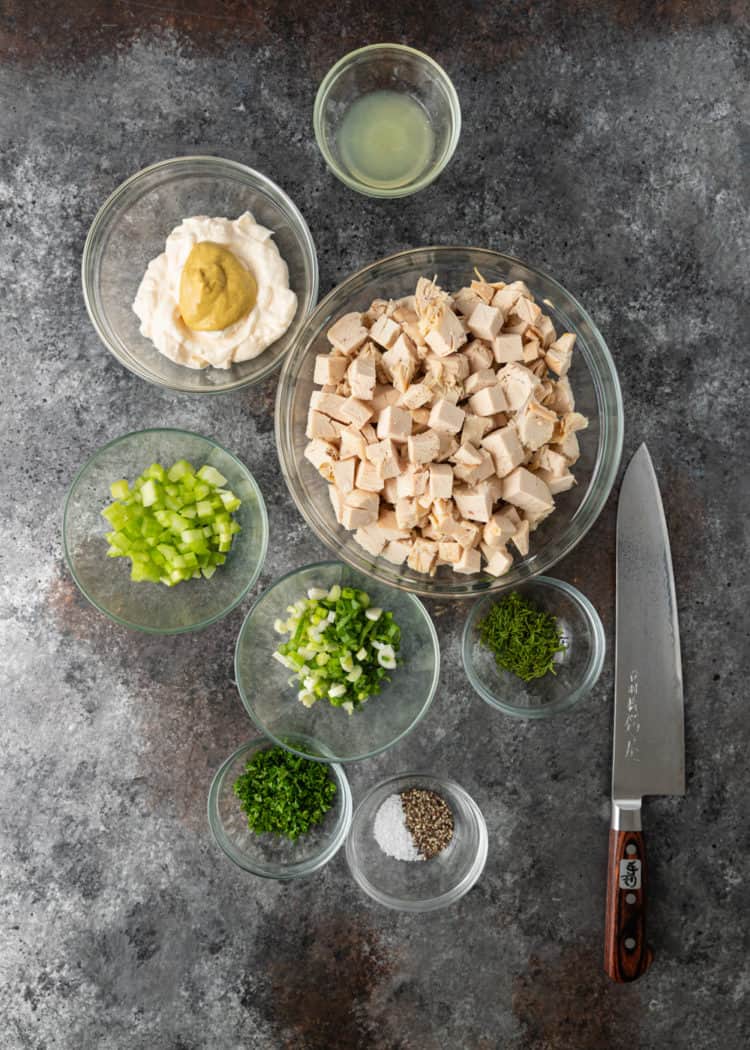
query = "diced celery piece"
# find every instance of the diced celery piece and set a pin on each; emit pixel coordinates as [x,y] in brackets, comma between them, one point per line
[156,472]
[204,509]
[119,489]
[180,469]
[230,501]
[212,476]
[201,490]
[172,490]
[150,493]
[188,512]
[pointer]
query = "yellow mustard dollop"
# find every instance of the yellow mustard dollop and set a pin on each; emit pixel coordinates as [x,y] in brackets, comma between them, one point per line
[215,288]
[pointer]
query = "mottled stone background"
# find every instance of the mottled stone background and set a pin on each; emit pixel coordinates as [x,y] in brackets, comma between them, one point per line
[604,141]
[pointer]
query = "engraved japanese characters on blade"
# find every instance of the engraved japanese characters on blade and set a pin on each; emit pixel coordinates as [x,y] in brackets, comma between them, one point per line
[632,720]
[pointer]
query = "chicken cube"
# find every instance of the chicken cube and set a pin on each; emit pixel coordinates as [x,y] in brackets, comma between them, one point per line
[485,322]
[507,347]
[329,368]
[474,429]
[423,448]
[395,423]
[546,330]
[501,527]
[371,539]
[505,448]
[415,396]
[479,381]
[554,462]
[384,455]
[476,472]
[412,481]
[465,301]
[441,481]
[389,527]
[532,349]
[523,489]
[474,502]
[423,555]
[390,489]
[447,335]
[320,426]
[527,310]
[488,401]
[453,367]
[348,333]
[360,509]
[560,399]
[448,445]
[343,475]
[401,362]
[469,562]
[560,354]
[337,502]
[369,478]
[520,539]
[479,355]
[445,417]
[383,396]
[449,552]
[362,377]
[385,332]
[322,454]
[397,551]
[329,404]
[535,424]
[406,514]
[517,383]
[352,444]
[356,412]
[467,455]
[568,446]
[556,483]
[498,560]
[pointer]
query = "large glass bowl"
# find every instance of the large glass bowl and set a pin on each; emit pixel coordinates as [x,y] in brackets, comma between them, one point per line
[594,381]
[324,732]
[106,582]
[421,885]
[131,228]
[577,668]
[273,856]
[391,67]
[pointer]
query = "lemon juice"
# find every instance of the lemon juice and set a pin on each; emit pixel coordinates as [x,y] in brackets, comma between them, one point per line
[385,139]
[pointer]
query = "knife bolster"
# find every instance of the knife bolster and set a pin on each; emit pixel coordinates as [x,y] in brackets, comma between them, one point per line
[626,816]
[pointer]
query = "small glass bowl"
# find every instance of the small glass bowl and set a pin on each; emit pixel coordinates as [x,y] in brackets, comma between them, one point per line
[106,582]
[328,733]
[273,856]
[422,885]
[578,667]
[130,230]
[397,68]
[592,375]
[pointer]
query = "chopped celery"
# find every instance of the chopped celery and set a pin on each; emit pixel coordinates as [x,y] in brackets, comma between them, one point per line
[173,525]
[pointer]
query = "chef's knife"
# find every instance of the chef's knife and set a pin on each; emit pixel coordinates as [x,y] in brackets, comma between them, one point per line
[649,746]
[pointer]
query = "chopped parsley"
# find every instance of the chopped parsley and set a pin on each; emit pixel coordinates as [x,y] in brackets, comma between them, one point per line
[284,794]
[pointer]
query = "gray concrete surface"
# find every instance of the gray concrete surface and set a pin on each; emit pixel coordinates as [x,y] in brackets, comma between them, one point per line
[607,143]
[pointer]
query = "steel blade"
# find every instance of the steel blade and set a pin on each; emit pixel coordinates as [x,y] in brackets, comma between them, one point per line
[649,742]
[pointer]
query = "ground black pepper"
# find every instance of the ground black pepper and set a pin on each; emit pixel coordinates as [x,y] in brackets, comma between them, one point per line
[429,819]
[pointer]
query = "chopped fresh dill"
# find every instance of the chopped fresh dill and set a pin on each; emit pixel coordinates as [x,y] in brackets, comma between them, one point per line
[523,639]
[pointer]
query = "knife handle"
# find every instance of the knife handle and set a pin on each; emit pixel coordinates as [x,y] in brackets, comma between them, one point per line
[626,954]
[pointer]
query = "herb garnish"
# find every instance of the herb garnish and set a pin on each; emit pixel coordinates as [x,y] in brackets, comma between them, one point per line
[523,638]
[284,793]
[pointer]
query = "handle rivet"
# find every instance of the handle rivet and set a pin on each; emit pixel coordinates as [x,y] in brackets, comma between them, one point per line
[631,849]
[629,943]
[630,898]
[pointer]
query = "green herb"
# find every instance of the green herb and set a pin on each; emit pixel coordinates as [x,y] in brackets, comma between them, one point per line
[341,647]
[523,638]
[283,793]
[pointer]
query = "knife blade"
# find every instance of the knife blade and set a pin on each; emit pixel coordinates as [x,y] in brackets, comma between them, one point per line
[648,754]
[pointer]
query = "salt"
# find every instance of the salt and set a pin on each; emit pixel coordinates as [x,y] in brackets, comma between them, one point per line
[391,832]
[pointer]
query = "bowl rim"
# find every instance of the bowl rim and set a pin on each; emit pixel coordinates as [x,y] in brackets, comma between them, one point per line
[263,519]
[440,164]
[449,896]
[604,471]
[98,224]
[334,758]
[593,668]
[289,871]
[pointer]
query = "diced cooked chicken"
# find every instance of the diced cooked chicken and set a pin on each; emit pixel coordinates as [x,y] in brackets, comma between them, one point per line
[360,509]
[407,515]
[417,395]
[329,405]
[556,483]
[479,381]
[348,333]
[525,490]
[474,502]
[474,429]
[469,562]
[423,448]
[385,332]
[401,362]
[329,368]
[560,354]
[447,333]
[322,454]
[473,473]
[397,551]
[465,301]
[449,370]
[369,478]
[423,555]
[488,401]
[395,423]
[501,527]
[390,490]
[441,481]
[560,399]
[507,348]
[384,455]
[446,418]
[518,383]
[388,526]
[532,350]
[449,552]
[520,539]
[343,475]
[371,539]
[384,396]
[320,426]
[356,412]
[546,330]
[485,322]
[479,355]
[448,445]
[362,377]
[554,462]
[353,444]
[498,560]
[535,424]
[505,448]
[412,481]
[568,446]
[337,502]
[527,310]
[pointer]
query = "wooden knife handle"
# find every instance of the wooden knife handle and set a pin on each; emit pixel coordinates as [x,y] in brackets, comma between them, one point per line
[626,954]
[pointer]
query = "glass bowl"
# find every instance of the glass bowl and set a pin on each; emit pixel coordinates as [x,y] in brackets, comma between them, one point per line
[577,668]
[328,733]
[106,581]
[421,885]
[273,856]
[592,375]
[392,67]
[131,228]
